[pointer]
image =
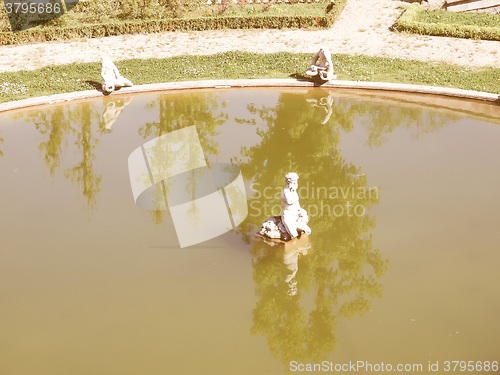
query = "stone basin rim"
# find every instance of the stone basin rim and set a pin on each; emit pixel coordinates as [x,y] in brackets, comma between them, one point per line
[248,83]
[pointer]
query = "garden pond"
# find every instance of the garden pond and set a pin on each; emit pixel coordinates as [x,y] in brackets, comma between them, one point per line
[400,267]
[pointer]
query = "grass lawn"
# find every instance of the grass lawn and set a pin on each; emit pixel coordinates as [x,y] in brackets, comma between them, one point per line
[232,65]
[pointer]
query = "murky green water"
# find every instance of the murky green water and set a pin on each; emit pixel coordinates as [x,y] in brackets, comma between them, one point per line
[401,267]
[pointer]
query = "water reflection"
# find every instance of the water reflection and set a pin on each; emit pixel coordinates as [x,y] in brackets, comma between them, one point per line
[291,251]
[178,111]
[292,141]
[291,261]
[325,103]
[112,109]
[341,271]
[382,119]
[175,112]
[83,173]
[60,124]
[303,290]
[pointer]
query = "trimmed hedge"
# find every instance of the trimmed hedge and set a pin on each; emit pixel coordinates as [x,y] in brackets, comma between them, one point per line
[408,22]
[43,34]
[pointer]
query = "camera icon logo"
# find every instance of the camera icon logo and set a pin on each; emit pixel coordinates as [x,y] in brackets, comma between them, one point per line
[170,173]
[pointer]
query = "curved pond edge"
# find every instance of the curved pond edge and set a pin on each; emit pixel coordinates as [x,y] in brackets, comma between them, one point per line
[242,83]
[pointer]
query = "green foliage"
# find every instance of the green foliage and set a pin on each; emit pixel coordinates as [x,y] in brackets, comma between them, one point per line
[138,27]
[93,19]
[232,65]
[441,23]
[90,12]
[480,19]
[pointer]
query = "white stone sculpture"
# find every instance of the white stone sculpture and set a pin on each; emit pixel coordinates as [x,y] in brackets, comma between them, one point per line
[293,219]
[112,78]
[322,65]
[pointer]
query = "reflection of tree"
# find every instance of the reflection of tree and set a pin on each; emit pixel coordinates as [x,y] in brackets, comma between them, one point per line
[53,123]
[342,270]
[382,119]
[83,173]
[60,123]
[295,140]
[307,137]
[379,118]
[1,141]
[180,111]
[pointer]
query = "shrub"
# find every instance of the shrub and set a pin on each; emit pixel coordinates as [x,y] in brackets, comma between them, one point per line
[148,26]
[97,18]
[410,22]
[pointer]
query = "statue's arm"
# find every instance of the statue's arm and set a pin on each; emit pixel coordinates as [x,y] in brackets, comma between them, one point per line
[329,64]
[116,71]
[315,58]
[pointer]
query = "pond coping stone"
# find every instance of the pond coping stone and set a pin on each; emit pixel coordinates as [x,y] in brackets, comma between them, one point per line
[241,83]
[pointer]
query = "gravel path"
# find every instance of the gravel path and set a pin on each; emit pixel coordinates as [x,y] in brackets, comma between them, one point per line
[362,29]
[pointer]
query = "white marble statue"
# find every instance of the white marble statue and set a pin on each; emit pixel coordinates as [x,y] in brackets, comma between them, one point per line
[112,78]
[322,65]
[293,219]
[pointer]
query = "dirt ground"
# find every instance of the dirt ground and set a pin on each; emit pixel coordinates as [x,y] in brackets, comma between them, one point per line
[362,29]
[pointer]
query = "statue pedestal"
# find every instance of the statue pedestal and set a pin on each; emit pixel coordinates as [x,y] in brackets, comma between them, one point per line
[269,241]
[274,229]
[278,242]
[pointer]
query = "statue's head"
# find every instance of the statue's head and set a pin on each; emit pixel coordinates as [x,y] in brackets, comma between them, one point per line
[108,88]
[325,52]
[105,59]
[291,179]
